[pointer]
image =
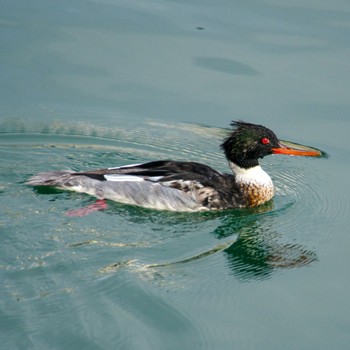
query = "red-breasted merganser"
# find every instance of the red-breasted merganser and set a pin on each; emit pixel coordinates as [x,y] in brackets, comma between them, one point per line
[186,186]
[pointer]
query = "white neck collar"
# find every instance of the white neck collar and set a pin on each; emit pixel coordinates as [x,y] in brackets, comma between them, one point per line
[254,175]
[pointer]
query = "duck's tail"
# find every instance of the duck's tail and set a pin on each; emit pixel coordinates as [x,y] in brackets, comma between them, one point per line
[59,178]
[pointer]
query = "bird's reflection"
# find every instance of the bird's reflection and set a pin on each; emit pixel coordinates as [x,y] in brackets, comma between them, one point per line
[258,251]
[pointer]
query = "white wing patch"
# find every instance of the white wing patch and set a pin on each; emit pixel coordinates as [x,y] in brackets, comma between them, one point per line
[124,166]
[130,178]
[123,178]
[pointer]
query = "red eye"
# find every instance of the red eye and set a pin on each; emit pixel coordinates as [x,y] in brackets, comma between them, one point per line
[265,141]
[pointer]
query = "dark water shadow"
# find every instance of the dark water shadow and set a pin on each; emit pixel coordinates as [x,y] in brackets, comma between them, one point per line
[225,65]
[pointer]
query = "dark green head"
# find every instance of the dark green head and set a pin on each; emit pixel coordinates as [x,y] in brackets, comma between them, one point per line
[249,142]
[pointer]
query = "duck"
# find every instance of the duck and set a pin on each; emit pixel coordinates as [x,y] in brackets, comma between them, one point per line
[185,186]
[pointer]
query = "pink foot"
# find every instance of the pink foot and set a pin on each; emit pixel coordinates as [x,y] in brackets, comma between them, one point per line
[100,204]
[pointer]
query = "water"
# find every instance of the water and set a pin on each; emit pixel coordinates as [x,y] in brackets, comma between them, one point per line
[89,84]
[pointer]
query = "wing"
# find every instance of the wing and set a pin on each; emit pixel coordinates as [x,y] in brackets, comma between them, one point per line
[164,172]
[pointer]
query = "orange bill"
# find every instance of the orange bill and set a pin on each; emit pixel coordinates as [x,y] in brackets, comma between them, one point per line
[294,149]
